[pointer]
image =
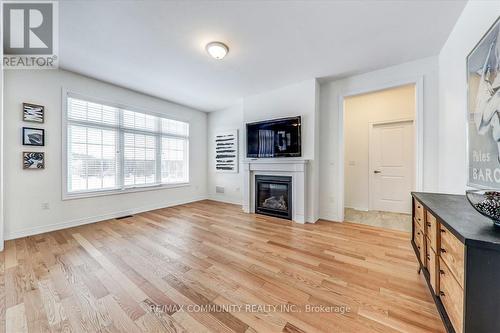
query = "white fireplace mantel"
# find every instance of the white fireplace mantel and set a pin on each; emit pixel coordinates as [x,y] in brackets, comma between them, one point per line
[291,167]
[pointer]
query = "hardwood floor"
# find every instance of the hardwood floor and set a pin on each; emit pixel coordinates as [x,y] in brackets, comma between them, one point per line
[188,268]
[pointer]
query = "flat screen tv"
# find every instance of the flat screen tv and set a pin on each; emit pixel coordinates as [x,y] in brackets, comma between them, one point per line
[274,138]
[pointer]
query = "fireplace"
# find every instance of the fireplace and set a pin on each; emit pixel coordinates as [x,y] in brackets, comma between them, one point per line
[273,196]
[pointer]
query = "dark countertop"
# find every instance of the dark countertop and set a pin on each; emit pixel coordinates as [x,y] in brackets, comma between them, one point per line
[470,227]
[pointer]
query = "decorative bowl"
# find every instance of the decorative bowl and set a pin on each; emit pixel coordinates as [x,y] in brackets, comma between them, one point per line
[486,202]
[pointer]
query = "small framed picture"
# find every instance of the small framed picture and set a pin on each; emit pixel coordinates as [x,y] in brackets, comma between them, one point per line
[33,136]
[33,113]
[33,160]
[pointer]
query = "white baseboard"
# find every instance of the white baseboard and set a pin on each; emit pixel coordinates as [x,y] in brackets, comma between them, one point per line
[87,220]
[361,209]
[226,199]
[312,219]
[330,216]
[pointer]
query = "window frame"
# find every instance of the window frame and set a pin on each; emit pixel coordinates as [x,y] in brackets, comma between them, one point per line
[121,189]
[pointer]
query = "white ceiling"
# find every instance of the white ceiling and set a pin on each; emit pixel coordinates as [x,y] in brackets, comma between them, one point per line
[157,47]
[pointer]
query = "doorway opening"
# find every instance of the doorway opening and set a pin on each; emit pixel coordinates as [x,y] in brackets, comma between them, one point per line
[379,157]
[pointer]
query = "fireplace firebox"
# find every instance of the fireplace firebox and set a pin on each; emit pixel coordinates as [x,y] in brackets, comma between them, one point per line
[273,196]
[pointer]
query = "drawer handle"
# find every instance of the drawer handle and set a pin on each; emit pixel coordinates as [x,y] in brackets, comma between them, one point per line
[428,224]
[443,250]
[441,293]
[428,257]
[418,206]
[419,219]
[441,272]
[418,247]
[418,233]
[442,230]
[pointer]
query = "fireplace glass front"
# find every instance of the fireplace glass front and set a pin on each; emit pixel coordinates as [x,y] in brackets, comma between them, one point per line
[273,196]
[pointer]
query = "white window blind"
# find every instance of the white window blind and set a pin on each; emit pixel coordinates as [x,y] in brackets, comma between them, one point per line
[93,162]
[111,148]
[139,159]
[173,160]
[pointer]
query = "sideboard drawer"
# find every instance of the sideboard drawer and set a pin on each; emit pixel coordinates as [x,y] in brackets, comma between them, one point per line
[452,296]
[420,242]
[417,235]
[452,252]
[419,212]
[431,227]
[419,232]
[432,266]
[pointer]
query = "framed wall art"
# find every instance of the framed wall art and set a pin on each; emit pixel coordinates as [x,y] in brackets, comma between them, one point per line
[33,136]
[33,113]
[226,151]
[33,160]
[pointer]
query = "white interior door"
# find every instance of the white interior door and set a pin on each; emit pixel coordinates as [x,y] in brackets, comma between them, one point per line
[391,166]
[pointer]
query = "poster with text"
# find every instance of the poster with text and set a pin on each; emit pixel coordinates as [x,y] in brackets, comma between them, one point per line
[483,111]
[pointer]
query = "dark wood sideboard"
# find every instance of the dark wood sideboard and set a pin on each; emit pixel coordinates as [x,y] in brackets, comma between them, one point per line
[459,254]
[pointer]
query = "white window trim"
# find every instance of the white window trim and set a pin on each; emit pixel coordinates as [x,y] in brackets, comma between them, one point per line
[122,190]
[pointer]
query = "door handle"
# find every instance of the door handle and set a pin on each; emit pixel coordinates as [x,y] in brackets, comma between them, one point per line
[377,171]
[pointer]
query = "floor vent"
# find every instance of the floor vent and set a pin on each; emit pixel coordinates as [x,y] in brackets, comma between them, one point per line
[124,217]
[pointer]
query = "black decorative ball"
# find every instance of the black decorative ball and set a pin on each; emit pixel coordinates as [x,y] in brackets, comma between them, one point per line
[486,202]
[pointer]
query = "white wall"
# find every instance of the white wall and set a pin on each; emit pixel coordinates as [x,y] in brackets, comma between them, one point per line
[330,93]
[227,119]
[26,190]
[444,79]
[293,100]
[475,20]
[361,111]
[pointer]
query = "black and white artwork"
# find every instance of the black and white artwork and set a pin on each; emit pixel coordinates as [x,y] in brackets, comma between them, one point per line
[33,136]
[226,151]
[33,113]
[483,111]
[33,160]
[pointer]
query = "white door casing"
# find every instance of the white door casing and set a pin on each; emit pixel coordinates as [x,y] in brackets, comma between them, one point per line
[391,156]
[418,182]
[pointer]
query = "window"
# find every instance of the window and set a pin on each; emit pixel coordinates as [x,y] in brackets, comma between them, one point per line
[115,149]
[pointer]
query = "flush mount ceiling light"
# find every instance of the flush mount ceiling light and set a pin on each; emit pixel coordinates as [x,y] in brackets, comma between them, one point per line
[217,50]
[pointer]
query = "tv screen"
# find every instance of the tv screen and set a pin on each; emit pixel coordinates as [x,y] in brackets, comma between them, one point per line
[274,138]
